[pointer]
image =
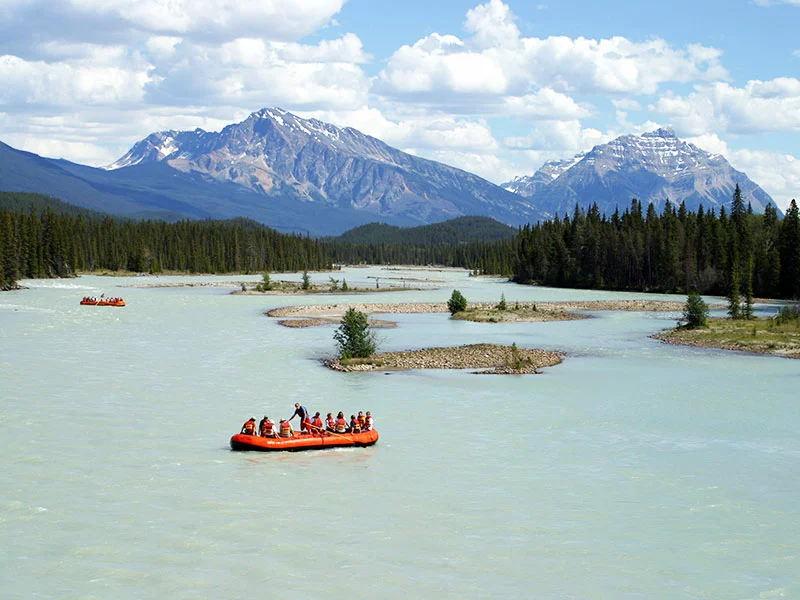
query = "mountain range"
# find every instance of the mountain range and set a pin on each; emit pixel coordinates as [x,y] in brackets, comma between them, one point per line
[305,175]
[655,167]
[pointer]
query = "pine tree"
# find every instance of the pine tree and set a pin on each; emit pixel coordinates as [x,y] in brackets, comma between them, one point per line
[457,303]
[695,312]
[790,253]
[354,337]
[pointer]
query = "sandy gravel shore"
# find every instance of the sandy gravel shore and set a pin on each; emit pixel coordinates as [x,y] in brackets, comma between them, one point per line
[491,358]
[323,314]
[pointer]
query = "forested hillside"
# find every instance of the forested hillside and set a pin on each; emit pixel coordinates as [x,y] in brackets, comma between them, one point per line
[460,242]
[461,230]
[677,251]
[47,244]
[25,201]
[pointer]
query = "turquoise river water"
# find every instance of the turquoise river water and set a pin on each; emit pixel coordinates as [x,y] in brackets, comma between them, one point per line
[635,469]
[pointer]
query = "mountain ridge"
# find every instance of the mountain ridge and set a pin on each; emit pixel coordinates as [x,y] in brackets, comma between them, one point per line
[654,167]
[274,151]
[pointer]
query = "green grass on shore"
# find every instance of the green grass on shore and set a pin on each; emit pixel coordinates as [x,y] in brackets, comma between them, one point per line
[764,336]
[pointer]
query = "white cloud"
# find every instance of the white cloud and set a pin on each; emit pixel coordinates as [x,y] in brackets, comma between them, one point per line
[272,19]
[626,104]
[488,166]
[492,25]
[559,139]
[62,84]
[758,107]
[496,61]
[778,174]
[416,134]
[254,73]
[348,49]
[545,104]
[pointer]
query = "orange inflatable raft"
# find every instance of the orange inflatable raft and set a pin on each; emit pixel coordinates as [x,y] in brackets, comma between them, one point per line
[89,301]
[303,441]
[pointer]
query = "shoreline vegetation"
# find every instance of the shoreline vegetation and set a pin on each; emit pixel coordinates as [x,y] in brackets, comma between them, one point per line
[491,359]
[759,336]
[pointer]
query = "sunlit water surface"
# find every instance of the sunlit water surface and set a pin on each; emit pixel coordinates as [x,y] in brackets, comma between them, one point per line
[634,469]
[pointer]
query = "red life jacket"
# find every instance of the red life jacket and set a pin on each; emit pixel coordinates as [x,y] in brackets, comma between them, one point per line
[317,423]
[341,425]
[286,429]
[331,422]
[266,427]
[249,427]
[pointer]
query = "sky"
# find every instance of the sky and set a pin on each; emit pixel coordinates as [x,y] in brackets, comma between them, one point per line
[494,87]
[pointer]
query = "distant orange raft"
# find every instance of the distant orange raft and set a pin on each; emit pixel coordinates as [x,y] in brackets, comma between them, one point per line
[298,441]
[103,302]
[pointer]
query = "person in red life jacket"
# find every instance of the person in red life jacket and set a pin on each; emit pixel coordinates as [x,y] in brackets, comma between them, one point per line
[315,425]
[286,429]
[249,427]
[370,424]
[362,420]
[354,426]
[341,423]
[330,423]
[302,412]
[266,427]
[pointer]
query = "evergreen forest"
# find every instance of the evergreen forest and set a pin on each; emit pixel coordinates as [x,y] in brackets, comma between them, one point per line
[677,251]
[43,242]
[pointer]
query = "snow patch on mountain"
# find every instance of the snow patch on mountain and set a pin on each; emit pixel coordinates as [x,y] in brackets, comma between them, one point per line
[655,167]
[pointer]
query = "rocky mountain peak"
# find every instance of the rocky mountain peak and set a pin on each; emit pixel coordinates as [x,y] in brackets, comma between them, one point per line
[278,154]
[661,132]
[655,167]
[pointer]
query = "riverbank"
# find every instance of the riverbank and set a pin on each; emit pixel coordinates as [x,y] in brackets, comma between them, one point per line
[327,314]
[277,288]
[490,358]
[761,336]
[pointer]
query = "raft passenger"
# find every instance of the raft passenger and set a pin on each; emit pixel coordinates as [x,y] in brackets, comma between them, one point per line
[354,426]
[266,427]
[370,422]
[249,427]
[316,424]
[341,423]
[330,423]
[286,429]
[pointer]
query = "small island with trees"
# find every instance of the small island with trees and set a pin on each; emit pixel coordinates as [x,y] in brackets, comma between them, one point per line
[357,352]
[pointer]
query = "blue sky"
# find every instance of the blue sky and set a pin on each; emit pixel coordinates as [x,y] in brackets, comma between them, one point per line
[494,87]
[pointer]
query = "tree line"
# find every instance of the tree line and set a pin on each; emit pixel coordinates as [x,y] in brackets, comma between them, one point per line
[44,243]
[736,254]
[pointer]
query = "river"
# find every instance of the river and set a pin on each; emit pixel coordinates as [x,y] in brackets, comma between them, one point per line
[634,469]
